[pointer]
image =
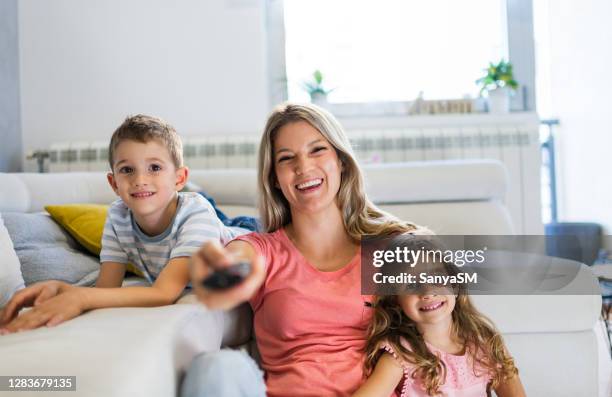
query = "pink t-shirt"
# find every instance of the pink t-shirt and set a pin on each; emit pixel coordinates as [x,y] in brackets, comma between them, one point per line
[461,379]
[310,325]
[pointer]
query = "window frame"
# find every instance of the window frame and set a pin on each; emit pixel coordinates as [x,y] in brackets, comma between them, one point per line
[520,44]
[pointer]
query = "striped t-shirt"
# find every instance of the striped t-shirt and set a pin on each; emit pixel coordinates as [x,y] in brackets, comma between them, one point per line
[194,223]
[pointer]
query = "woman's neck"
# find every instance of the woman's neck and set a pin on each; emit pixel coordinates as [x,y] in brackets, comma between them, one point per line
[321,236]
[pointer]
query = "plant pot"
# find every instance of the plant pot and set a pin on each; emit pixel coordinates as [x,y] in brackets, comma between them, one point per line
[499,101]
[319,99]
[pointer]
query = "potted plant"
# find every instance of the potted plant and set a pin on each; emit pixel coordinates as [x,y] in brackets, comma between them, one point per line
[314,87]
[498,82]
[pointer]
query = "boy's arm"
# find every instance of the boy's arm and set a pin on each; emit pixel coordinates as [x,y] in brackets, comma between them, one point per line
[32,295]
[385,378]
[167,288]
[111,275]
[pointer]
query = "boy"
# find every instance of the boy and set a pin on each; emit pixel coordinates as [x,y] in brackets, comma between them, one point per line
[152,226]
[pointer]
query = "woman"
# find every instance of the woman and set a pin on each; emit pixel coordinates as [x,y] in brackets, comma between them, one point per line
[309,315]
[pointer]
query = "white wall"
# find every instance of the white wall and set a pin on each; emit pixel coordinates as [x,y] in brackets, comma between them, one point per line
[10,132]
[581,85]
[86,64]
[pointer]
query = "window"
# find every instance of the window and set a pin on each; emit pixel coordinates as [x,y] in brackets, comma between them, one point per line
[391,50]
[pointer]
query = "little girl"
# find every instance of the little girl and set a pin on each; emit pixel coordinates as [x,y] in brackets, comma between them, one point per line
[432,341]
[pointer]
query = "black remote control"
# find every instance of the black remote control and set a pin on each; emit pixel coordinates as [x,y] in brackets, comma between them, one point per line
[227,277]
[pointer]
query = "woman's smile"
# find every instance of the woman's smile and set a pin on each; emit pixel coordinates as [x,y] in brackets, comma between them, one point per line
[309,185]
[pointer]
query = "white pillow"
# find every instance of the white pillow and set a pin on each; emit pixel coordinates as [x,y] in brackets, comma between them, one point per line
[11,279]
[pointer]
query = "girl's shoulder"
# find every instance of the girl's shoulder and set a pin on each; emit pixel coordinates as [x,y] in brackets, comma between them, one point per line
[393,350]
[410,385]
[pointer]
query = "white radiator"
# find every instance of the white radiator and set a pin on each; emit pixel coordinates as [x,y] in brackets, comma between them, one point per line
[512,139]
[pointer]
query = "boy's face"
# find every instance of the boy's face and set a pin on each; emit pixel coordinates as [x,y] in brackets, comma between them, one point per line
[145,177]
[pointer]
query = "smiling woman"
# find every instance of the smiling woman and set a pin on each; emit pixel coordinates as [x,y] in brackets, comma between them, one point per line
[307,168]
[309,315]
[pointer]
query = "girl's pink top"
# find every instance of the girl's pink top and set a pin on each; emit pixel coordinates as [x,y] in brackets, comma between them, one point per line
[461,379]
[310,325]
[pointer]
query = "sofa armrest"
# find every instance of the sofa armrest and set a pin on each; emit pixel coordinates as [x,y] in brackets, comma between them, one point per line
[116,352]
[237,323]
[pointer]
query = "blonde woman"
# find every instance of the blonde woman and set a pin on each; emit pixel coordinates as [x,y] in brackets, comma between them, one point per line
[309,315]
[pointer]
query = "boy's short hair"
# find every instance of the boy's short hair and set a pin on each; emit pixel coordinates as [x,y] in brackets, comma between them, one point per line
[143,128]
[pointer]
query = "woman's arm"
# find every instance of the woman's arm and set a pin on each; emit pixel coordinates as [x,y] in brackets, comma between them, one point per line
[212,255]
[511,388]
[385,378]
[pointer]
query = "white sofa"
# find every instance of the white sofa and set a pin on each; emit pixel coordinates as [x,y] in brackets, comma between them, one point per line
[557,341]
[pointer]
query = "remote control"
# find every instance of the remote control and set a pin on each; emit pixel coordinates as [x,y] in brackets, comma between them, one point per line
[227,277]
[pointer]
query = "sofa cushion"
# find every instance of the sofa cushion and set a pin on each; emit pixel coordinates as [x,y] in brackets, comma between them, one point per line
[48,252]
[387,183]
[11,279]
[435,181]
[461,217]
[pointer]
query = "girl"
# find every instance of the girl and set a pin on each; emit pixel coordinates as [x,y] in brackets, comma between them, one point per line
[432,341]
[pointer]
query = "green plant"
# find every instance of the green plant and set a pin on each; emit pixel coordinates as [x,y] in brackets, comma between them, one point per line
[315,86]
[498,76]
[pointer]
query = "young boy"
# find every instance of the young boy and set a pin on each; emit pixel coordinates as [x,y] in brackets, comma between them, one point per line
[152,226]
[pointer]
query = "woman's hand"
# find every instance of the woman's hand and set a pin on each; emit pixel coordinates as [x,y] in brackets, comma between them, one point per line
[53,311]
[213,256]
[33,295]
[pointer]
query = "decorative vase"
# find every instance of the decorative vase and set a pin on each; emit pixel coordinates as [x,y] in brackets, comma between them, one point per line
[499,101]
[319,99]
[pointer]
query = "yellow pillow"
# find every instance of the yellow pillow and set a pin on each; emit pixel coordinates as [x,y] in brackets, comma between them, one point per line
[84,222]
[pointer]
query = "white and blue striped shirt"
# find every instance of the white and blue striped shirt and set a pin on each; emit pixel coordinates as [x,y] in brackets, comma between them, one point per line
[194,222]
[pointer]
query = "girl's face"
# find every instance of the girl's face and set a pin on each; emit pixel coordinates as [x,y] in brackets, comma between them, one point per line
[307,168]
[433,305]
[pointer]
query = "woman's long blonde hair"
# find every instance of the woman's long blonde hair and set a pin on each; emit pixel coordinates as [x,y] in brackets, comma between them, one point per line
[481,340]
[361,217]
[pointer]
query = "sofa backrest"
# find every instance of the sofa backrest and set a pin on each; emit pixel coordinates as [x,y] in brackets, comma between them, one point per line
[450,197]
